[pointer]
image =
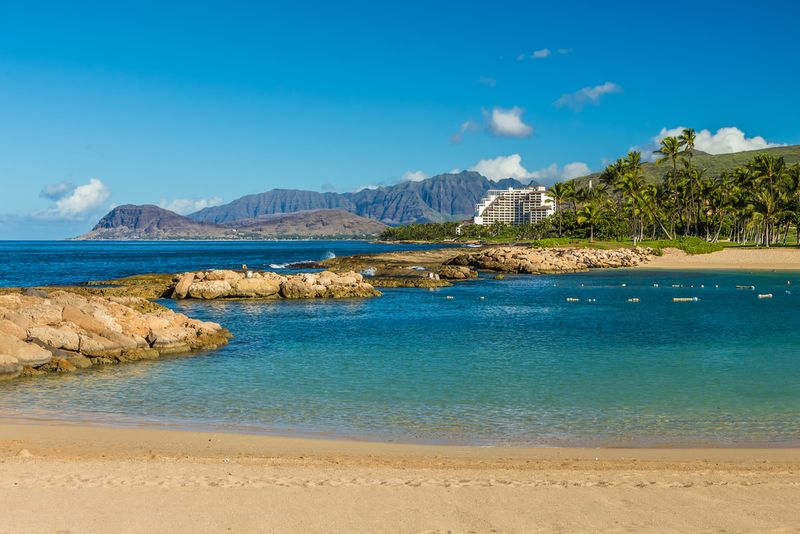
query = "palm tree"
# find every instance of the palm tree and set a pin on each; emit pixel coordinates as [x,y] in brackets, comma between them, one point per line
[560,193]
[670,150]
[592,216]
[687,139]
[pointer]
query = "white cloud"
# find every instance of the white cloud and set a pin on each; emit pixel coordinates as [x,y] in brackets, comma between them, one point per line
[487,81]
[511,167]
[576,169]
[184,206]
[587,95]
[508,123]
[541,54]
[465,127]
[724,141]
[76,203]
[564,51]
[414,176]
[553,173]
[501,167]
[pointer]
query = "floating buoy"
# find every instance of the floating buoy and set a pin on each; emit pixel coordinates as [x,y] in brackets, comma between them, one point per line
[633,300]
[702,286]
[746,287]
[655,285]
[765,296]
[624,285]
[716,286]
[571,299]
[685,299]
[449,297]
[591,300]
[483,298]
[676,285]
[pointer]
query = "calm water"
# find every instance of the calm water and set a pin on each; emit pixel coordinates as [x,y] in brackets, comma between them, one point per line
[520,366]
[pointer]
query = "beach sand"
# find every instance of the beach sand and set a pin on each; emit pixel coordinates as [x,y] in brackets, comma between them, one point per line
[66,478]
[745,259]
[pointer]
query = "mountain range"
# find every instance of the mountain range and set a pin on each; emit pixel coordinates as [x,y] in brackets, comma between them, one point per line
[152,223]
[445,197]
[284,213]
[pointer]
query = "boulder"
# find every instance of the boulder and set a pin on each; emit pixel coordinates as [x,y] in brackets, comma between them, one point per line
[183,285]
[254,288]
[82,319]
[28,354]
[209,289]
[62,337]
[456,272]
[223,274]
[9,367]
[13,329]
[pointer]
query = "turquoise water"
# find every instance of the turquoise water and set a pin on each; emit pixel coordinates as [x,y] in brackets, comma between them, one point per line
[522,366]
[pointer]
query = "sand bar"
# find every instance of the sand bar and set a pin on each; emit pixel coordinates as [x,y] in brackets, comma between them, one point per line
[56,477]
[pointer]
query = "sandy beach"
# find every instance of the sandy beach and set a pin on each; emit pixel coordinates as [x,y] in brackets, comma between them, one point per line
[65,478]
[746,259]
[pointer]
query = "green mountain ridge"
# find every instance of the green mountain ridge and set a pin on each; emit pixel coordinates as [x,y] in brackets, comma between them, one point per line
[714,164]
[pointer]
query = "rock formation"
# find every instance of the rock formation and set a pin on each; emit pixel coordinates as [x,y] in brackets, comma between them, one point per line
[550,260]
[220,284]
[63,331]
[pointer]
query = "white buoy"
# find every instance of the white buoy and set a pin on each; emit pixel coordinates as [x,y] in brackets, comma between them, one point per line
[572,299]
[765,296]
[633,300]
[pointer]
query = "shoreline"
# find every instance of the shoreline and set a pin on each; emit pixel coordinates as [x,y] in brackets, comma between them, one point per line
[377,440]
[146,480]
[59,439]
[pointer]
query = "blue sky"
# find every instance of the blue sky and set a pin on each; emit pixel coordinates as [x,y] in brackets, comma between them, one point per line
[186,104]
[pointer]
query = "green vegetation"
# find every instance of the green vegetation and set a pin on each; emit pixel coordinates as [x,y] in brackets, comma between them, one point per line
[688,244]
[691,207]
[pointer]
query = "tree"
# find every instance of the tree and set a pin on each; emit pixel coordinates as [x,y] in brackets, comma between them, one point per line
[670,150]
[592,216]
[561,193]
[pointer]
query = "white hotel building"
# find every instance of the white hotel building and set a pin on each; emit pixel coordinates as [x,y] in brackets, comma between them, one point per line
[514,206]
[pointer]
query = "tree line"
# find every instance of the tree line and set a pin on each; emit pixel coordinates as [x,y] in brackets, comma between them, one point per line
[757,203]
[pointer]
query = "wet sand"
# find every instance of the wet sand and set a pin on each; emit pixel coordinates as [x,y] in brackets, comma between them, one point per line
[57,477]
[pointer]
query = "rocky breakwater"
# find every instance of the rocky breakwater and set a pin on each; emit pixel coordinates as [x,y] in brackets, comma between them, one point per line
[550,260]
[228,284]
[62,331]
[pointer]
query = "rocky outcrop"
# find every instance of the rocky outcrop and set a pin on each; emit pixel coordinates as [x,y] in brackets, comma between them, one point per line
[222,284]
[456,272]
[550,260]
[62,331]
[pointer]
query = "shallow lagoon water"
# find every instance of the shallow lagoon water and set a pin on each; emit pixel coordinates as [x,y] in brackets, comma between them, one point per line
[520,366]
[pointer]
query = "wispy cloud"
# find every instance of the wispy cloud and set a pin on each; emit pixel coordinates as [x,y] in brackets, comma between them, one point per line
[587,95]
[543,53]
[487,81]
[468,126]
[508,123]
[185,206]
[74,202]
[57,191]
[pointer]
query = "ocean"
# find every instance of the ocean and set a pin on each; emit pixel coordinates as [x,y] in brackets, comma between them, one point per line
[503,362]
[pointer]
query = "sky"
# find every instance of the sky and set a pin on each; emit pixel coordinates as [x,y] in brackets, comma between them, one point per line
[190,104]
